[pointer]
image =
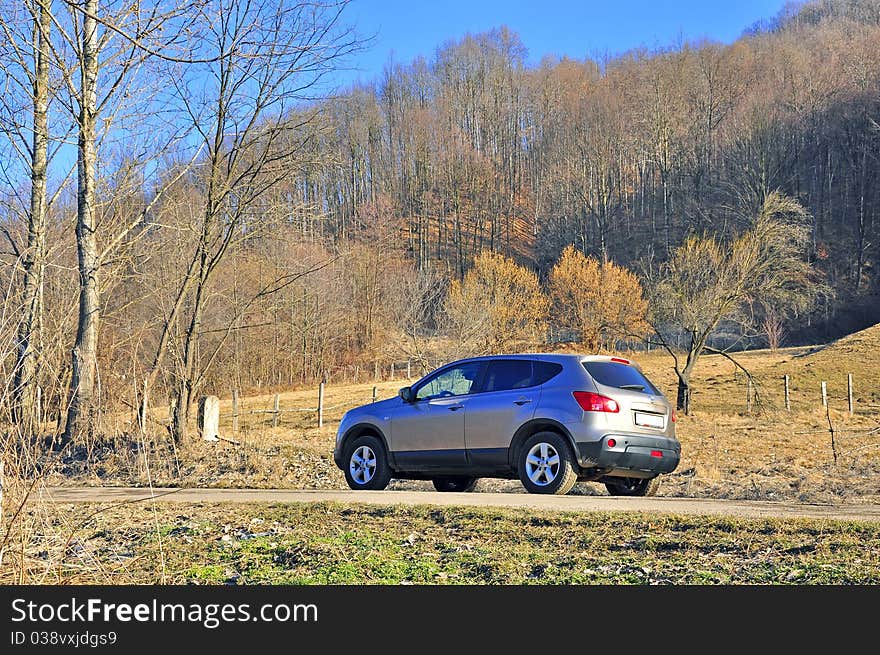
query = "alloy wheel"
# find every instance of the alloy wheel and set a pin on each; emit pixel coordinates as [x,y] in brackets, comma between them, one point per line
[362,465]
[542,464]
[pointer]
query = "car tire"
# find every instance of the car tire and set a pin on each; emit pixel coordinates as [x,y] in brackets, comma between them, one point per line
[455,483]
[633,487]
[366,464]
[545,464]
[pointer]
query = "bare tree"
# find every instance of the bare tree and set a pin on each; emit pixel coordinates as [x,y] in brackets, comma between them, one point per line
[113,41]
[774,328]
[416,304]
[81,414]
[28,70]
[264,61]
[707,282]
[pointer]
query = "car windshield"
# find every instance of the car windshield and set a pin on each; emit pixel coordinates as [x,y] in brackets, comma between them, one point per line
[621,376]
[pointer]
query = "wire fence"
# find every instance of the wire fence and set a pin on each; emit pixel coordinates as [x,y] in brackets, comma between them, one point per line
[403,370]
[764,393]
[379,371]
[277,411]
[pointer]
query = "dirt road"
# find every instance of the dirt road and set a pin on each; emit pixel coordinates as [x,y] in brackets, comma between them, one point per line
[754,509]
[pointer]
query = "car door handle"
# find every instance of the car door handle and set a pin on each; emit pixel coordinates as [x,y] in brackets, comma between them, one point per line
[455,408]
[522,401]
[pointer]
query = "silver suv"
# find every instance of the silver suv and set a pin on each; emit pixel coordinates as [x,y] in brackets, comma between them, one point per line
[551,420]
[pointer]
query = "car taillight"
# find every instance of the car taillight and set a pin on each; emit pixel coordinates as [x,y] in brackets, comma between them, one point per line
[672,418]
[593,402]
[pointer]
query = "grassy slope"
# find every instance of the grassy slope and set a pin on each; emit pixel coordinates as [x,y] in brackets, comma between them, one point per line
[779,453]
[329,543]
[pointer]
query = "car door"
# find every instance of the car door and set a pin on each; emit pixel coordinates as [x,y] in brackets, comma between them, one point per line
[507,399]
[428,433]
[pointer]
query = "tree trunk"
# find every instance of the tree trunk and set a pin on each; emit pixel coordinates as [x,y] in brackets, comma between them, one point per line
[860,238]
[82,410]
[667,241]
[165,336]
[34,261]
[186,382]
[186,386]
[683,397]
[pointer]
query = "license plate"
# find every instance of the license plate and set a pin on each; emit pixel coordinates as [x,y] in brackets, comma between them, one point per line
[650,420]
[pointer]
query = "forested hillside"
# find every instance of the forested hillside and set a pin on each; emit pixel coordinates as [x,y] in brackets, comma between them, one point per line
[226,222]
[472,149]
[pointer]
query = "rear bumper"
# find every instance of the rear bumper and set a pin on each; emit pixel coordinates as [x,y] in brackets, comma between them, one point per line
[636,454]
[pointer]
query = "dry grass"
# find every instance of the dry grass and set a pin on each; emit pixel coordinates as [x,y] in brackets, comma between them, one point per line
[768,452]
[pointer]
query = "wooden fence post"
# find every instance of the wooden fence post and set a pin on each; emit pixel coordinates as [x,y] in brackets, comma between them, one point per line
[849,392]
[408,370]
[321,405]
[235,411]
[824,395]
[787,395]
[749,397]
[275,410]
[375,394]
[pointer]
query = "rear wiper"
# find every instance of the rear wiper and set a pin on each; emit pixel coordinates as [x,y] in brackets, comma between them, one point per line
[634,387]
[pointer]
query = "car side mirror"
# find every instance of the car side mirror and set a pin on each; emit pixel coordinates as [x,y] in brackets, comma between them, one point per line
[406,394]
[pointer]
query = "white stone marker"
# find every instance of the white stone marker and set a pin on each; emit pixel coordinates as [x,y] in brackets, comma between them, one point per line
[209,418]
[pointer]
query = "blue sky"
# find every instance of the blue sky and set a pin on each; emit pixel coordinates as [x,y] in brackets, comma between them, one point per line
[408,28]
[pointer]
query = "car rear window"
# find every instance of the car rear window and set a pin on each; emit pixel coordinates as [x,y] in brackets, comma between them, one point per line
[612,374]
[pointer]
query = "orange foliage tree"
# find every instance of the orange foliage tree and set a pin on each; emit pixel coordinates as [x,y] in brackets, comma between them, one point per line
[498,305]
[601,301]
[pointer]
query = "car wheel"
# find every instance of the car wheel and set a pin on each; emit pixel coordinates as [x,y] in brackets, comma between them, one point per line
[546,465]
[633,486]
[367,464]
[455,483]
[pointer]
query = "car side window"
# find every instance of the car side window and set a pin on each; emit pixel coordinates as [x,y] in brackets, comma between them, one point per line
[544,371]
[506,374]
[455,381]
